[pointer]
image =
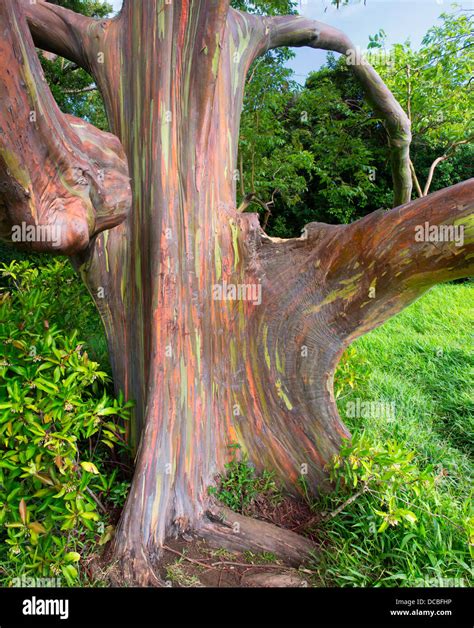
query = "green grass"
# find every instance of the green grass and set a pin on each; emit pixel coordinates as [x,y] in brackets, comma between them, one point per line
[422,360]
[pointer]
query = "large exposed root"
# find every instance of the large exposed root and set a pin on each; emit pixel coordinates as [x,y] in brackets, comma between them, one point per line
[224,528]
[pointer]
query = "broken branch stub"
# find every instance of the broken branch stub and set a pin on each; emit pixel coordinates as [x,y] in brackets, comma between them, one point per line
[61,180]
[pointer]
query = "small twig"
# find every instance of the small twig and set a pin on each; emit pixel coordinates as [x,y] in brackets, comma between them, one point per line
[83,90]
[433,514]
[122,464]
[97,500]
[307,523]
[351,499]
[220,562]
[190,560]
[248,565]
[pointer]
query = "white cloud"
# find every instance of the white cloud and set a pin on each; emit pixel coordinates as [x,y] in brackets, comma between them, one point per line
[117,4]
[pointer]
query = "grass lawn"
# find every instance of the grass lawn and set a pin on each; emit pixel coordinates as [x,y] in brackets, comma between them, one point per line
[421,361]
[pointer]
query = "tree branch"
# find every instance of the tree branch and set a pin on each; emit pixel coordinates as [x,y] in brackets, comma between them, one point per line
[346,503]
[413,247]
[293,30]
[60,31]
[419,191]
[61,180]
[376,266]
[429,179]
[320,292]
[440,159]
[83,90]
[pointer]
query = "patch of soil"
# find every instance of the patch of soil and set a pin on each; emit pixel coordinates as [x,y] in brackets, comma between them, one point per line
[193,563]
[289,512]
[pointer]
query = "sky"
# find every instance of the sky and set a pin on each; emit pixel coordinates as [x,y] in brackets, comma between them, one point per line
[400,19]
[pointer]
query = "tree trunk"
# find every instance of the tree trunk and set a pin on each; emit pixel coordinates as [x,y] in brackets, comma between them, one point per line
[219,333]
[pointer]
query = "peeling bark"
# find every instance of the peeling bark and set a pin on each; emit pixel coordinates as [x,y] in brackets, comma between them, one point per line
[219,333]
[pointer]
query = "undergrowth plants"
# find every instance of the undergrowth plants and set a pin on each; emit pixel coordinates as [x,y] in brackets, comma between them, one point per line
[403,487]
[390,523]
[57,421]
[240,485]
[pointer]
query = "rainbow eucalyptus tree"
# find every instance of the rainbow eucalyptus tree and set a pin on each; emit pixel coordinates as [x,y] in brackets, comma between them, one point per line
[220,333]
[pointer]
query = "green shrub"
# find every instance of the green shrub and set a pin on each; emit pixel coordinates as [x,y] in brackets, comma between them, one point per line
[240,485]
[64,295]
[56,422]
[388,523]
[351,372]
[387,472]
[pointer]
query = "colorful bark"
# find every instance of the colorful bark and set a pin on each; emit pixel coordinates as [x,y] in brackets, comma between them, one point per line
[321,292]
[55,170]
[183,237]
[256,368]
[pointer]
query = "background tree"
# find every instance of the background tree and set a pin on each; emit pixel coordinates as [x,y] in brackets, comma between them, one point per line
[273,165]
[348,145]
[328,147]
[434,86]
[204,372]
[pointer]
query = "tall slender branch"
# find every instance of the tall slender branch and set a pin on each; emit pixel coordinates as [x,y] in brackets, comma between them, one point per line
[61,31]
[429,179]
[440,159]
[297,31]
[419,191]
